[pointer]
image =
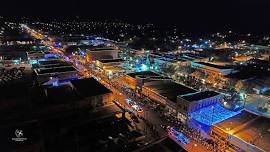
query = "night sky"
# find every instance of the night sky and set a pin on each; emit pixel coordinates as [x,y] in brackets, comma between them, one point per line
[191,15]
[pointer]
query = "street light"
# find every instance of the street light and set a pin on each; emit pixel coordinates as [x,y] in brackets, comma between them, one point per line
[194,145]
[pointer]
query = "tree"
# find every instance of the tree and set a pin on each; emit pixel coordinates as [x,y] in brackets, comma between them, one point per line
[184,69]
[168,69]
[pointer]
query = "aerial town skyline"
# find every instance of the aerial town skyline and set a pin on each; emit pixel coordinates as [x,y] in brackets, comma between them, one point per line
[135,76]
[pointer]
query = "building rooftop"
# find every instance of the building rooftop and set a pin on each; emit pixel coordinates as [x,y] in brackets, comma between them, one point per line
[55,70]
[212,114]
[154,77]
[102,49]
[199,95]
[34,52]
[107,134]
[114,68]
[111,60]
[213,65]
[236,121]
[169,59]
[195,56]
[51,62]
[168,89]
[14,51]
[61,95]
[177,57]
[48,64]
[242,75]
[143,74]
[250,128]
[105,111]
[89,87]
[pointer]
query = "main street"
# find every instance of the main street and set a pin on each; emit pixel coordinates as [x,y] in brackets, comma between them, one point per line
[120,94]
[151,122]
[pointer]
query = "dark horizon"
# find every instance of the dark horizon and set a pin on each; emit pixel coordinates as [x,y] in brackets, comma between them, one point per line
[191,16]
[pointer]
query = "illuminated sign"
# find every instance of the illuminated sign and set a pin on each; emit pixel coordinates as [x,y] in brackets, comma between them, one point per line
[178,136]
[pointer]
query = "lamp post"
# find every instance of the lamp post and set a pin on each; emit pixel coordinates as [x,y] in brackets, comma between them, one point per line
[193,145]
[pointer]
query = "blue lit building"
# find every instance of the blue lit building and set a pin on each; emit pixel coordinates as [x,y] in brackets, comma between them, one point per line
[213,114]
[195,101]
[204,109]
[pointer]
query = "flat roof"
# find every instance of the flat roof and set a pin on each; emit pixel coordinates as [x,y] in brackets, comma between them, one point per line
[249,127]
[182,59]
[89,87]
[178,57]
[34,52]
[110,60]
[199,95]
[114,68]
[53,66]
[51,62]
[96,135]
[236,121]
[167,59]
[16,48]
[105,111]
[242,75]
[196,56]
[61,95]
[155,77]
[213,65]
[56,70]
[168,89]
[143,74]
[212,114]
